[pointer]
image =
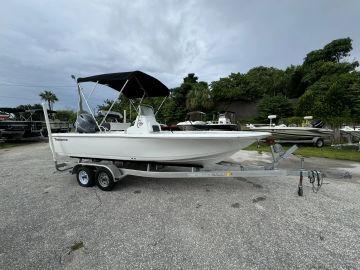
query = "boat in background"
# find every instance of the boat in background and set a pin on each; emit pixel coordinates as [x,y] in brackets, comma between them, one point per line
[353,133]
[194,121]
[11,128]
[226,121]
[169,127]
[4,116]
[18,124]
[144,141]
[312,131]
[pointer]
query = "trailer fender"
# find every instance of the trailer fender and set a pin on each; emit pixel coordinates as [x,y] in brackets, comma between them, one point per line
[314,140]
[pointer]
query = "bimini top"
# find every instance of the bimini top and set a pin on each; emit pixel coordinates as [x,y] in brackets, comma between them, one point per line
[138,84]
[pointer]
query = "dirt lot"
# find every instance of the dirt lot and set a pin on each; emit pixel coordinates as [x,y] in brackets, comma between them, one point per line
[47,221]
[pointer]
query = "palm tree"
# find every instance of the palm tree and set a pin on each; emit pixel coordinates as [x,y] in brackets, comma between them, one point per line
[50,97]
[199,97]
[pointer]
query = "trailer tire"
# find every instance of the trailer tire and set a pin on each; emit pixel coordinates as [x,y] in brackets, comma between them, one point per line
[319,143]
[85,176]
[104,179]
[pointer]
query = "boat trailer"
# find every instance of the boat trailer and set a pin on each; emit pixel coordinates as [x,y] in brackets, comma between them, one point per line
[106,173]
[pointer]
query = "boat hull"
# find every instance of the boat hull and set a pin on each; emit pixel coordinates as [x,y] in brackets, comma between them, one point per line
[225,127]
[353,132]
[199,148]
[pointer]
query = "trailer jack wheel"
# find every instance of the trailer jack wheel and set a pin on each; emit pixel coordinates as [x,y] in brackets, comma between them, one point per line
[300,191]
[300,186]
[85,176]
[104,179]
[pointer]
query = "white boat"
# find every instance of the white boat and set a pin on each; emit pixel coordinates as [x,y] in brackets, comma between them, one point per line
[144,141]
[195,121]
[353,132]
[225,121]
[305,134]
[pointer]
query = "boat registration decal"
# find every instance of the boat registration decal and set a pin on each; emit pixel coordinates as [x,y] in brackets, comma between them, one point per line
[61,140]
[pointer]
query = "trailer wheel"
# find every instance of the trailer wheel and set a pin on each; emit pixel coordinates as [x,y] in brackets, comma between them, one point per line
[319,143]
[85,176]
[104,179]
[300,191]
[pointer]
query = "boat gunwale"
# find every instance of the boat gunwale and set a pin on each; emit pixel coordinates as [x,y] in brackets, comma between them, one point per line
[162,135]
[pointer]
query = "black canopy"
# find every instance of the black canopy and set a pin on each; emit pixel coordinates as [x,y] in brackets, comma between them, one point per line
[138,83]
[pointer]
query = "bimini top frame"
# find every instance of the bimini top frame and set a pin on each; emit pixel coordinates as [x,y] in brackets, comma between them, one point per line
[134,84]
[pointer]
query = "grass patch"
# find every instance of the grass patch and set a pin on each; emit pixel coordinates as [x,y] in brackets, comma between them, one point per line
[77,245]
[310,151]
[7,145]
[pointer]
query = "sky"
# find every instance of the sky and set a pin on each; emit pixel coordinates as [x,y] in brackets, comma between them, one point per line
[43,42]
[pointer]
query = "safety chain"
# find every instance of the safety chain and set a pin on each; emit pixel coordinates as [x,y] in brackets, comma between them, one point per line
[316,179]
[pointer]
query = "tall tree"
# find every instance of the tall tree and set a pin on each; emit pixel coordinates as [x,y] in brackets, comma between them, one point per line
[334,96]
[29,106]
[279,105]
[331,52]
[199,98]
[179,97]
[331,84]
[50,97]
[253,85]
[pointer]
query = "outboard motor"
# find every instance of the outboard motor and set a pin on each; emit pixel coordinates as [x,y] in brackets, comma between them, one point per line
[317,123]
[85,123]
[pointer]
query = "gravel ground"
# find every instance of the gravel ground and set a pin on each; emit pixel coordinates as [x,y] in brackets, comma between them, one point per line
[47,221]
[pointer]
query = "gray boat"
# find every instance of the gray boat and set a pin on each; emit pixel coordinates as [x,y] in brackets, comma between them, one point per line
[353,132]
[313,132]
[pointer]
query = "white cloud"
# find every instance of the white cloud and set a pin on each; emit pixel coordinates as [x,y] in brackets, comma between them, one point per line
[43,42]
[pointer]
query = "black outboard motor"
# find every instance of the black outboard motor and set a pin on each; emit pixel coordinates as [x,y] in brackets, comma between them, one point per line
[317,123]
[85,123]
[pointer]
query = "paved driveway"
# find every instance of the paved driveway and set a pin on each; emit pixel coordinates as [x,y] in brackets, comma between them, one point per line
[47,221]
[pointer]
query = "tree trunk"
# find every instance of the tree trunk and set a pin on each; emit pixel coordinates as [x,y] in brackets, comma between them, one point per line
[337,136]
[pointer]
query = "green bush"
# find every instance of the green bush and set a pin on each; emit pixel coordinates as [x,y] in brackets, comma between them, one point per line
[66,115]
[294,120]
[279,105]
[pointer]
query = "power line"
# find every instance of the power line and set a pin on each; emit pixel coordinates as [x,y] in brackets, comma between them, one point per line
[66,93]
[28,85]
[17,97]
